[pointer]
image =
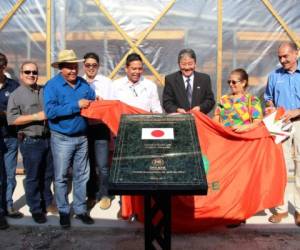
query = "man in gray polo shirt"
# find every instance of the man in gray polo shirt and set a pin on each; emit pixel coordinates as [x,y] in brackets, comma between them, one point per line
[25,110]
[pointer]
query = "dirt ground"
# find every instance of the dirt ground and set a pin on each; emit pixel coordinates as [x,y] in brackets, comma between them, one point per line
[55,238]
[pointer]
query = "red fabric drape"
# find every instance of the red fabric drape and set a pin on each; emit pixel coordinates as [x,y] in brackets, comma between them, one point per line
[247,169]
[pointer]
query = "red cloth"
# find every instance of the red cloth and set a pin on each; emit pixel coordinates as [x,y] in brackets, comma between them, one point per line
[249,169]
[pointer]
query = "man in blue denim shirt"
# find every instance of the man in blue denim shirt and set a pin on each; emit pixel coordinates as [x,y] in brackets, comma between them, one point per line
[9,142]
[283,90]
[64,96]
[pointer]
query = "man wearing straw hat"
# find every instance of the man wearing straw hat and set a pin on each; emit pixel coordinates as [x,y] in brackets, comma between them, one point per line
[64,96]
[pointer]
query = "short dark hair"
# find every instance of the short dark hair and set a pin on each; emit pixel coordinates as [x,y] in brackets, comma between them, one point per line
[243,75]
[133,57]
[186,52]
[3,60]
[91,55]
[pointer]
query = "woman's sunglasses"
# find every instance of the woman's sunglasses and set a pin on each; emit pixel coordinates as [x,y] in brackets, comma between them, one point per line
[233,82]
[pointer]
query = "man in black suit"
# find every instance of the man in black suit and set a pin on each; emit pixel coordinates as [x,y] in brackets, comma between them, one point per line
[187,89]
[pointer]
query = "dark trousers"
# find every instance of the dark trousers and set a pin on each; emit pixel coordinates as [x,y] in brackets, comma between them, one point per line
[98,143]
[97,186]
[38,164]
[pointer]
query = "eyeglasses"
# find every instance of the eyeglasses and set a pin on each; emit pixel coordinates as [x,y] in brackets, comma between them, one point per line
[28,72]
[233,82]
[88,65]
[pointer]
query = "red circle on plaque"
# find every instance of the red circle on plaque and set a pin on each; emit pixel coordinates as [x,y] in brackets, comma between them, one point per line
[157,133]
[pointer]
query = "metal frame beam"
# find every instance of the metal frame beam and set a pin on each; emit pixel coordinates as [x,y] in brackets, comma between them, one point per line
[48,38]
[134,45]
[220,49]
[11,13]
[290,33]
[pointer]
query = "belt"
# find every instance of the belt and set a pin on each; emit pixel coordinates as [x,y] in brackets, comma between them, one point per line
[38,137]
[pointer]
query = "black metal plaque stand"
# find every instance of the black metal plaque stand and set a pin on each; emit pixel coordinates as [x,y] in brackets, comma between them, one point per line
[157,226]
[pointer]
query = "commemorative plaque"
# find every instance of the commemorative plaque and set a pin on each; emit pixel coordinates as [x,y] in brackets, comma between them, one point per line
[157,156]
[157,152]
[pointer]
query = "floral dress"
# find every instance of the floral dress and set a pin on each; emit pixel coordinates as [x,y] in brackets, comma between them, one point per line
[238,111]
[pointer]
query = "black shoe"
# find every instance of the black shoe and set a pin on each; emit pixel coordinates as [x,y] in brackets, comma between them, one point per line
[12,213]
[64,220]
[3,223]
[85,218]
[39,218]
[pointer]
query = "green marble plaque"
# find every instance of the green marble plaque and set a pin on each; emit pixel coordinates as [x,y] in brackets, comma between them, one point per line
[157,152]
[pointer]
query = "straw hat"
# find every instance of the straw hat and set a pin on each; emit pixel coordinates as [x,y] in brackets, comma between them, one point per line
[66,56]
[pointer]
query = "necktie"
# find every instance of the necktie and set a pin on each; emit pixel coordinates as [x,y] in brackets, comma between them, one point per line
[189,90]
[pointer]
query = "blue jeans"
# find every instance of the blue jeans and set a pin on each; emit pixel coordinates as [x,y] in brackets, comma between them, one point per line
[38,164]
[70,151]
[10,152]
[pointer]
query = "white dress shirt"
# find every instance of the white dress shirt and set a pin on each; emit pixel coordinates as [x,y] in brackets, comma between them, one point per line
[191,81]
[102,86]
[142,94]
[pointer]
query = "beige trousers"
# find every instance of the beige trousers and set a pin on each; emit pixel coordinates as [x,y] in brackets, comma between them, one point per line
[291,151]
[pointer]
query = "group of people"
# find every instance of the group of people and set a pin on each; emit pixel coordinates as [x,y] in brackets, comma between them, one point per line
[54,138]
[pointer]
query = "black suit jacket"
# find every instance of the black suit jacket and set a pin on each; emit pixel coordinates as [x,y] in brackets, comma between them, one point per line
[174,93]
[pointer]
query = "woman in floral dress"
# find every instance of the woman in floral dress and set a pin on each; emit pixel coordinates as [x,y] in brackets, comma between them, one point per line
[238,110]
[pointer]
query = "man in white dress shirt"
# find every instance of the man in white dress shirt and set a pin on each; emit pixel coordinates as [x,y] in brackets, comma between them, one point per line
[98,137]
[134,89]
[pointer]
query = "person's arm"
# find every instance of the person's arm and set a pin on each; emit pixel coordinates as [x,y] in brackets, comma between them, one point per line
[91,94]
[290,114]
[217,113]
[53,108]
[246,127]
[155,102]
[268,96]
[207,105]
[25,119]
[14,116]
[169,103]
[216,118]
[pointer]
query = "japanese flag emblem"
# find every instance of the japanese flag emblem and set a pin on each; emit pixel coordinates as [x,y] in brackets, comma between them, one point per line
[157,134]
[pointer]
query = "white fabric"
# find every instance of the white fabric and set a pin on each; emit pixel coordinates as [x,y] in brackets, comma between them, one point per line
[142,94]
[102,86]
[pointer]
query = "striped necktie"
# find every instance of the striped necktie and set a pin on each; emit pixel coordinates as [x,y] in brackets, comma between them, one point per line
[189,90]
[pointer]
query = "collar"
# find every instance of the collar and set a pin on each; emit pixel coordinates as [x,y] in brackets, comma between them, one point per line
[191,77]
[129,83]
[32,88]
[297,69]
[97,78]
